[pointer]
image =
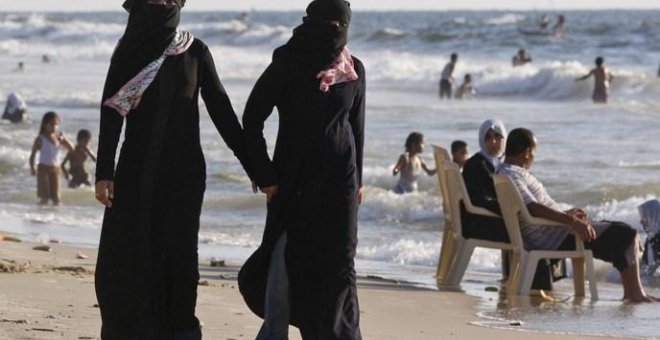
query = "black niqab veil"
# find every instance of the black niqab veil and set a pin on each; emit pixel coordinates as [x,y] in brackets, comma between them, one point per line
[315,44]
[149,31]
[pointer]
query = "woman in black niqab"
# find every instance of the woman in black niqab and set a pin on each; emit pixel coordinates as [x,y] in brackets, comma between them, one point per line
[322,36]
[150,29]
[303,272]
[147,272]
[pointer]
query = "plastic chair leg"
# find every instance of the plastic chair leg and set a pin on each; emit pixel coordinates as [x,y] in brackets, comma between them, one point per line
[461,261]
[446,255]
[529,269]
[591,276]
[578,276]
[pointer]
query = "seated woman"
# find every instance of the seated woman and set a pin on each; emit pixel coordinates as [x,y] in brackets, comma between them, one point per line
[479,184]
[614,242]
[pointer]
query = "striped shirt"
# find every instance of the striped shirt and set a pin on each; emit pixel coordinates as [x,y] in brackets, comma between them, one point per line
[532,190]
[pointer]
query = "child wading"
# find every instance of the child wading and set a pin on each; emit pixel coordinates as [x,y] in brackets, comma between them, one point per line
[410,164]
[48,144]
[76,174]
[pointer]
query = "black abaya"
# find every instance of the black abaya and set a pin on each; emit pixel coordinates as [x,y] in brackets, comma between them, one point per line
[317,165]
[146,274]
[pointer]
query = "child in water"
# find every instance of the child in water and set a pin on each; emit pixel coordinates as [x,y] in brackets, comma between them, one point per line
[410,164]
[466,88]
[76,174]
[602,79]
[459,153]
[48,143]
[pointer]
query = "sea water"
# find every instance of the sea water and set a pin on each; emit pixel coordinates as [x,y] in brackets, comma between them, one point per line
[602,157]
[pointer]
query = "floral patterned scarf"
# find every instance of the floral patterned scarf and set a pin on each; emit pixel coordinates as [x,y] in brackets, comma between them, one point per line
[341,70]
[128,97]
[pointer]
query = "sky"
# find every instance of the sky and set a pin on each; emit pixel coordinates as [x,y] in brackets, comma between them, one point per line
[219,5]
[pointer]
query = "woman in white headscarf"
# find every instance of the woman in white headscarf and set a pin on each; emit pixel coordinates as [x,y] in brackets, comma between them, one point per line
[15,108]
[477,174]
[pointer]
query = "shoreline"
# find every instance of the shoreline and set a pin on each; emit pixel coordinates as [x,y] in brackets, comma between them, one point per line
[51,296]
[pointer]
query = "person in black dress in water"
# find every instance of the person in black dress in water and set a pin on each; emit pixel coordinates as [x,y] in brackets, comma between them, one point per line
[146,273]
[303,272]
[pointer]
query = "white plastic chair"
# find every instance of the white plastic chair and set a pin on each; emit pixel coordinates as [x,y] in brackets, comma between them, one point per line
[461,247]
[442,157]
[524,262]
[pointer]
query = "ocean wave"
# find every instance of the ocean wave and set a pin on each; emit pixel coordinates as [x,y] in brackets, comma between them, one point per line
[236,239]
[388,34]
[506,19]
[556,80]
[653,165]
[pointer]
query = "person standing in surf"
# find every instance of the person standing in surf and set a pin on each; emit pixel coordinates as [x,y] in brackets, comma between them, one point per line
[602,79]
[147,271]
[447,77]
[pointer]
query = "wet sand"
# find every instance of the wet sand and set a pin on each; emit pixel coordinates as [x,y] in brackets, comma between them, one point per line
[50,295]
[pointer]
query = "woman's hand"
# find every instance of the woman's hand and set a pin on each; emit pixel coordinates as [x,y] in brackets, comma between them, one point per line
[270,192]
[105,192]
[360,196]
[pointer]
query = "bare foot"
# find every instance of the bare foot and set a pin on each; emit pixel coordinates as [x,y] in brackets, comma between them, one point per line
[655,299]
[640,299]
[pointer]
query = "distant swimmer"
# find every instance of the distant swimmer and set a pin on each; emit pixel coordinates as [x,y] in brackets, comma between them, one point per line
[20,67]
[447,78]
[602,79]
[559,26]
[544,22]
[466,88]
[243,17]
[521,58]
[543,28]
[15,109]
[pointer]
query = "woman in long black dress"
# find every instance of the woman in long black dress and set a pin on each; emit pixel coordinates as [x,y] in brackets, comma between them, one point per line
[313,182]
[146,274]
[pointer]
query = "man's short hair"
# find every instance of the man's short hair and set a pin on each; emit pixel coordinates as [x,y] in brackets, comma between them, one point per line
[518,141]
[457,145]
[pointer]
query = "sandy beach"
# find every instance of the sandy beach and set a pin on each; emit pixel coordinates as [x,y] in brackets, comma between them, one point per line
[50,295]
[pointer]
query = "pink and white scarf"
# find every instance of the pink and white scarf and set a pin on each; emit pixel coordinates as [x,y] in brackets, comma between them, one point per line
[128,97]
[341,70]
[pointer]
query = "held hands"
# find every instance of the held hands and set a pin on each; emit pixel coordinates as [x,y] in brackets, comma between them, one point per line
[270,192]
[360,196]
[105,192]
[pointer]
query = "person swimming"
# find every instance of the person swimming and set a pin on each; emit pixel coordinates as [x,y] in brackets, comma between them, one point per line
[521,58]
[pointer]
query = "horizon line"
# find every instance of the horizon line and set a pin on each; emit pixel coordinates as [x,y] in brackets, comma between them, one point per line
[356,11]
